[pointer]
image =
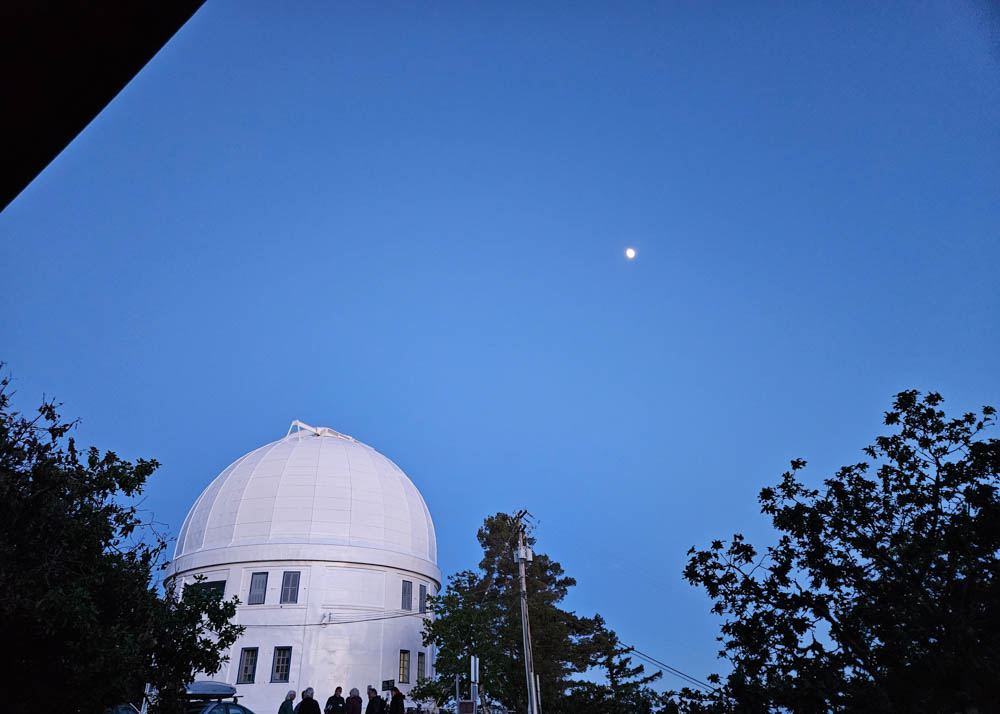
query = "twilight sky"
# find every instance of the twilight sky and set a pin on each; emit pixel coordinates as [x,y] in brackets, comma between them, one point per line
[406,221]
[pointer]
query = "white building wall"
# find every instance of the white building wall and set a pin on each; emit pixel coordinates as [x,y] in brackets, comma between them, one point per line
[347,628]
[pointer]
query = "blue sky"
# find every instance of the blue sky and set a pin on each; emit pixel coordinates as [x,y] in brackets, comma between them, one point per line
[407,222]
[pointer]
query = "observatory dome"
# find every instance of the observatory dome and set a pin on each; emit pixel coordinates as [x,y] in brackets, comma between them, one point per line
[331,551]
[316,494]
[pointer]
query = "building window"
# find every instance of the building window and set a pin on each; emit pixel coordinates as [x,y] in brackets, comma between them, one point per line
[214,587]
[248,666]
[404,666]
[282,664]
[407,595]
[290,587]
[421,665]
[258,588]
[423,598]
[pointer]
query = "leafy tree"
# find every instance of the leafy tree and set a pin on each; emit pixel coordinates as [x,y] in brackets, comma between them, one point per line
[882,593]
[81,617]
[479,613]
[466,620]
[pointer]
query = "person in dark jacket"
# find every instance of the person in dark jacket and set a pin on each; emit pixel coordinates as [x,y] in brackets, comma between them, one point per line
[287,706]
[396,705]
[353,703]
[308,705]
[335,704]
[375,703]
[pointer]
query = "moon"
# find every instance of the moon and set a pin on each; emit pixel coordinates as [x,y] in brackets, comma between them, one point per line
[630,253]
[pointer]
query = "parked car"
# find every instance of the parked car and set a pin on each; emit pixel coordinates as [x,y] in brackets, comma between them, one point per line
[212,698]
[203,707]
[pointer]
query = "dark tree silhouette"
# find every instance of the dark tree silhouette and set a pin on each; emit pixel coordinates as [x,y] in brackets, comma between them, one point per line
[882,593]
[82,620]
[625,689]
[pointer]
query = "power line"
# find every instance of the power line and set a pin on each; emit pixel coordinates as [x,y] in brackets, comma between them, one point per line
[681,675]
[672,670]
[376,618]
[346,622]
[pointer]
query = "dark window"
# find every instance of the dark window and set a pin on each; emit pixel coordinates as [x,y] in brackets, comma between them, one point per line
[422,603]
[290,587]
[248,666]
[407,595]
[282,664]
[238,709]
[210,586]
[404,666]
[421,665]
[258,589]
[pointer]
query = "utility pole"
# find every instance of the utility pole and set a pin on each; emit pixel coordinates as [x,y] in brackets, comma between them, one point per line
[521,555]
[474,680]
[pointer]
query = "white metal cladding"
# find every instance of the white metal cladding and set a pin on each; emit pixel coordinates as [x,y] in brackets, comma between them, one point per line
[315,487]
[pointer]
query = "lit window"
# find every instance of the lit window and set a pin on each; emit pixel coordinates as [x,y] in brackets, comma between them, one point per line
[282,664]
[407,595]
[421,665]
[258,587]
[423,598]
[404,666]
[248,666]
[290,587]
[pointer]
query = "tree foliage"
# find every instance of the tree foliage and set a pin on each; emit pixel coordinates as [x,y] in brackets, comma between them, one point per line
[81,616]
[882,593]
[479,613]
[625,687]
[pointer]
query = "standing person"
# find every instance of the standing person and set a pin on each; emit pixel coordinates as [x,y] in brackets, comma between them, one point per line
[308,705]
[396,704]
[335,704]
[353,703]
[375,703]
[286,706]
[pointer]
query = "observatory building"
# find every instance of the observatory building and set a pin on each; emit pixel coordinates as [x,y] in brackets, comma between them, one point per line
[331,551]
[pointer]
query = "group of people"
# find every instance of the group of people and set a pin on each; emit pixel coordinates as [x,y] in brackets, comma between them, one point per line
[336,704]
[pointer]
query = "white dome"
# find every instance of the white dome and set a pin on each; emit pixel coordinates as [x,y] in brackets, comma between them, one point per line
[315,494]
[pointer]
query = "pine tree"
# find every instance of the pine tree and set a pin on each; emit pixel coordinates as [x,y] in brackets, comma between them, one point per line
[626,687]
[479,613]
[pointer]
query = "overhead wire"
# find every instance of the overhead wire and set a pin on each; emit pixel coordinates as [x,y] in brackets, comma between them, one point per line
[649,659]
[672,670]
[333,621]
